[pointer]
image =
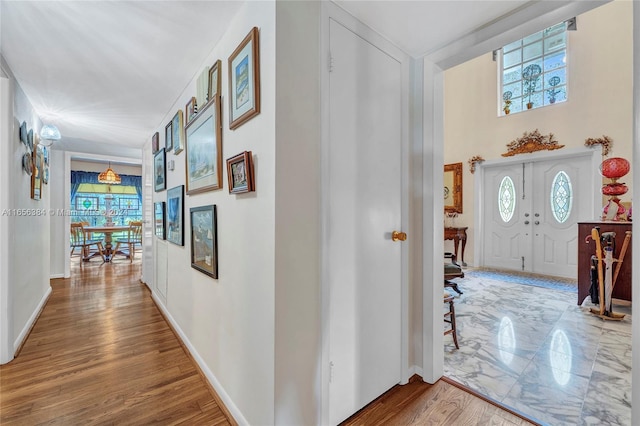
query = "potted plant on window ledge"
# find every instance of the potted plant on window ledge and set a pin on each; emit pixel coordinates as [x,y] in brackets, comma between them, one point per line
[552,92]
[531,75]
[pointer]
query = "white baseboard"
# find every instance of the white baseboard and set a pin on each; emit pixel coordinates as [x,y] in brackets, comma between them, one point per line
[32,319]
[414,369]
[54,276]
[226,399]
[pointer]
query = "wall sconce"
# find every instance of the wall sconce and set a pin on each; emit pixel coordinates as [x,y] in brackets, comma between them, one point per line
[171,165]
[49,134]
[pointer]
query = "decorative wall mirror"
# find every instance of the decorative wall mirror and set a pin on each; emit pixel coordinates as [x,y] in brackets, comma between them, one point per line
[453,188]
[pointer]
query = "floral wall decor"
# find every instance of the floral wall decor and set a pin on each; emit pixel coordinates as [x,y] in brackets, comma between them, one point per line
[531,142]
[605,141]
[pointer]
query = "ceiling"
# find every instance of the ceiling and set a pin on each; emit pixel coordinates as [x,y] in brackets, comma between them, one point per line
[107,72]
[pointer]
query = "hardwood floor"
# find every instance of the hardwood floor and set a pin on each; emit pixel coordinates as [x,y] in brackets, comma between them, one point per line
[419,403]
[102,353]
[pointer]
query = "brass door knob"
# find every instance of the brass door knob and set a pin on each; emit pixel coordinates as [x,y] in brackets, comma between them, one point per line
[398,236]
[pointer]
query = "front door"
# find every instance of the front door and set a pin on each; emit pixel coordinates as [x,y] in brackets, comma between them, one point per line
[364,207]
[532,210]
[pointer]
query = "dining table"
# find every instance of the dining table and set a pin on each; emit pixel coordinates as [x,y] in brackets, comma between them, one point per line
[108,232]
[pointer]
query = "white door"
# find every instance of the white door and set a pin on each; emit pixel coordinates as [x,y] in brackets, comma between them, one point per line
[532,210]
[507,233]
[560,201]
[364,208]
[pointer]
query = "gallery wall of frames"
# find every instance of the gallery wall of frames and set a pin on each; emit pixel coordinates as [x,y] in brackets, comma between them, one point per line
[194,135]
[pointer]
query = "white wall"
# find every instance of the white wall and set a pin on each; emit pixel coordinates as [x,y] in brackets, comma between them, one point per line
[28,235]
[600,102]
[297,214]
[58,250]
[99,167]
[229,322]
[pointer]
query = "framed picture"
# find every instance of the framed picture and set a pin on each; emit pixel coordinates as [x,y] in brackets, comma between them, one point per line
[160,171]
[175,215]
[190,110]
[244,81]
[159,219]
[129,203]
[23,133]
[155,142]
[45,165]
[38,170]
[27,163]
[204,149]
[215,83]
[453,188]
[240,173]
[168,134]
[177,132]
[204,240]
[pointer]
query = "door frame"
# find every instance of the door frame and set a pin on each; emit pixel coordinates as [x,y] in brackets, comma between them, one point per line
[530,18]
[330,11]
[68,156]
[479,200]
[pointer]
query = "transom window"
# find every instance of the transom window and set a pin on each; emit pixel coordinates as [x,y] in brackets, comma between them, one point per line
[533,71]
[506,199]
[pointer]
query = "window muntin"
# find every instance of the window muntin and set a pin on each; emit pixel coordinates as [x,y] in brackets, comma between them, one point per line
[561,197]
[506,199]
[90,207]
[545,49]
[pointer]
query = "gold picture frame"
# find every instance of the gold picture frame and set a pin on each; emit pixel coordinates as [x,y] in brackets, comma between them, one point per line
[453,188]
[244,80]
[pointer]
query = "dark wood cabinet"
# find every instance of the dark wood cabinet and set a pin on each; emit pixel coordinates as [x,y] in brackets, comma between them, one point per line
[622,289]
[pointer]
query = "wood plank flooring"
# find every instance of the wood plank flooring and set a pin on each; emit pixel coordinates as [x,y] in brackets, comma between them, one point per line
[102,353]
[419,403]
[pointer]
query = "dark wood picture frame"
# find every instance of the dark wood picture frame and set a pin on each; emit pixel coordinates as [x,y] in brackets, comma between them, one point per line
[190,110]
[453,188]
[204,240]
[159,209]
[203,146]
[160,171]
[244,80]
[240,173]
[175,215]
[155,142]
[168,136]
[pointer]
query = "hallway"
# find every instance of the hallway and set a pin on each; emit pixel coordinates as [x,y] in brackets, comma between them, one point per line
[102,353]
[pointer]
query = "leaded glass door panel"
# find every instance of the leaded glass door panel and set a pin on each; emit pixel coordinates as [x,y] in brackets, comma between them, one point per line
[561,198]
[507,236]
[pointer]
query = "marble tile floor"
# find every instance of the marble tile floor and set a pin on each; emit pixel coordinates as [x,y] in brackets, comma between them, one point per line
[538,352]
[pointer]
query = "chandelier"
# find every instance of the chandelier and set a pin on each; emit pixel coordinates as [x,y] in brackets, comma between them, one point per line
[109,177]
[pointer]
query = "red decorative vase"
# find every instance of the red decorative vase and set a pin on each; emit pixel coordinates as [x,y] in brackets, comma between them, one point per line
[614,189]
[615,167]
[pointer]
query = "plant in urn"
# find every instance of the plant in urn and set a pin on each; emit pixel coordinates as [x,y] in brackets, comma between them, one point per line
[614,168]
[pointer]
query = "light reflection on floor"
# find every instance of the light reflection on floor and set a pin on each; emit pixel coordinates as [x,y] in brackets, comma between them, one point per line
[537,351]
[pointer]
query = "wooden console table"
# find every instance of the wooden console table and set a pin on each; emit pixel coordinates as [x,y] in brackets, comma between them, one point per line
[586,250]
[457,235]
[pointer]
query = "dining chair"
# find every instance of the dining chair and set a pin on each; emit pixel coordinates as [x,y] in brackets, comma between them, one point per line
[452,270]
[81,239]
[132,240]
